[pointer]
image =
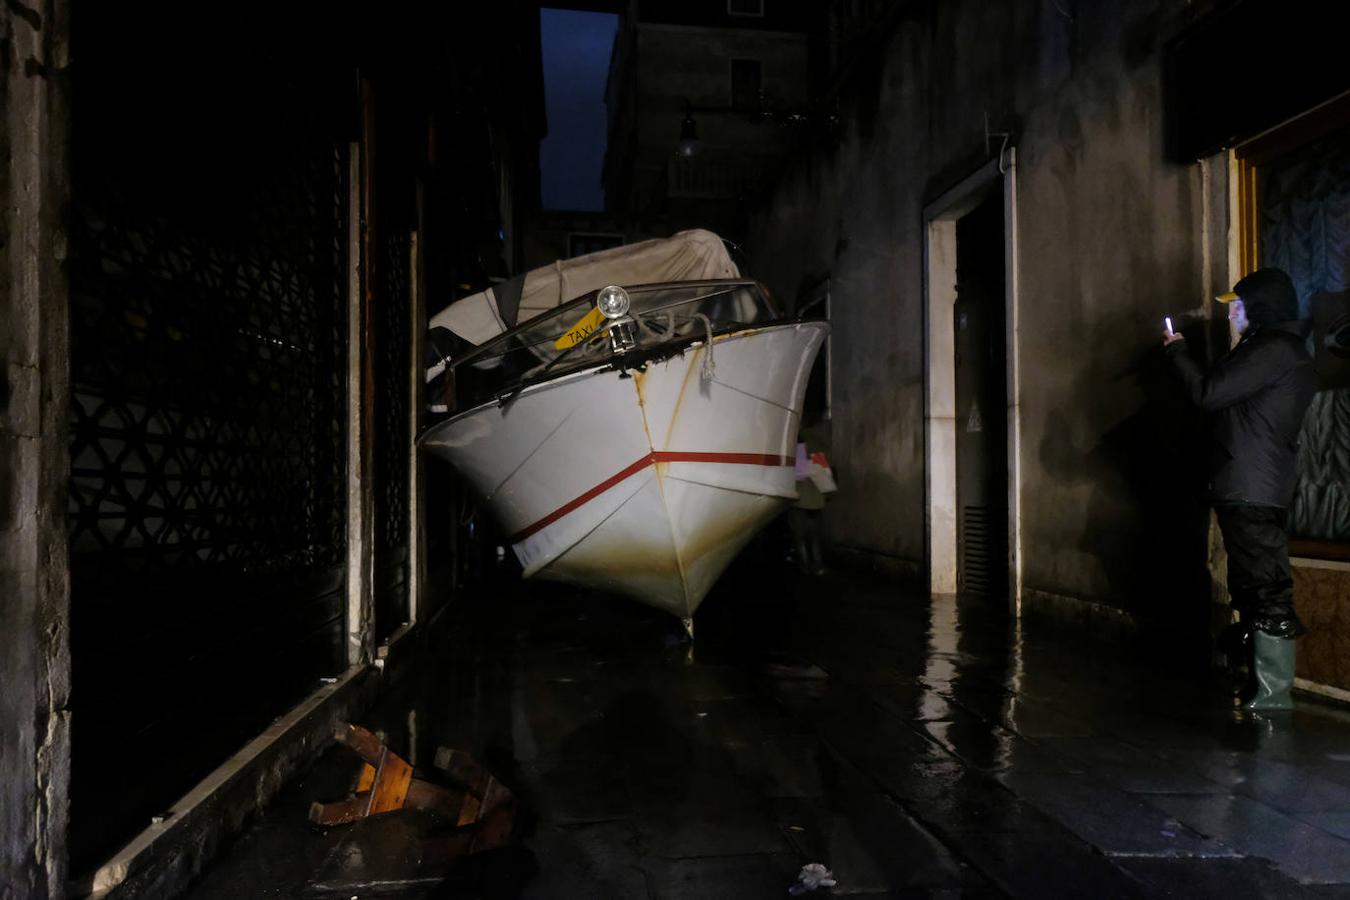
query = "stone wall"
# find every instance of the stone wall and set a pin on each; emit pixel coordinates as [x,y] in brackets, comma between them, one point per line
[1111,236]
[34,656]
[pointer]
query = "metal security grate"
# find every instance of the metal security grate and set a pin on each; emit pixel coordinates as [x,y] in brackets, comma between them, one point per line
[206,429]
[207,488]
[392,361]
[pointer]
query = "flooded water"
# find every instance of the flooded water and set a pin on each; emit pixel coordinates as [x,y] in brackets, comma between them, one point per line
[913,747]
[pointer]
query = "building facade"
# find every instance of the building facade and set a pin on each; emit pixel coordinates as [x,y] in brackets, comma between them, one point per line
[1016,196]
[212,534]
[738,70]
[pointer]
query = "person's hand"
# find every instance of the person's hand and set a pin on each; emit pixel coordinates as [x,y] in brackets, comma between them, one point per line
[1169,339]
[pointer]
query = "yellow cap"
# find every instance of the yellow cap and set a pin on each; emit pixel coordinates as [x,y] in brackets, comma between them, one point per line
[1227,298]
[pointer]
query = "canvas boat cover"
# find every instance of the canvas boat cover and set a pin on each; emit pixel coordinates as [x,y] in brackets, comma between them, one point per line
[687,256]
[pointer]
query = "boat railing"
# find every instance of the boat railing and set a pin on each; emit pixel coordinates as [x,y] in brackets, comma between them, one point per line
[666,316]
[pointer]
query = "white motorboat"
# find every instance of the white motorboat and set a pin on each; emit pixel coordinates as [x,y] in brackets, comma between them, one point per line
[633,439]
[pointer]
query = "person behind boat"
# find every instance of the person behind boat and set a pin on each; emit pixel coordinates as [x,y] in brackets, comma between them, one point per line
[805,516]
[1256,396]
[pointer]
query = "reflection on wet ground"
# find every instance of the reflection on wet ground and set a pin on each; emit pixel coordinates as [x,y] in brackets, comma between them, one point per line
[915,748]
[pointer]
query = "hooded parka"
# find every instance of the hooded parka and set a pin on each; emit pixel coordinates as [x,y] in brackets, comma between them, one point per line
[1256,395]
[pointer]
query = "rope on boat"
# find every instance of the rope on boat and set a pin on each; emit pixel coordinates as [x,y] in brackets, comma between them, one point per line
[709,367]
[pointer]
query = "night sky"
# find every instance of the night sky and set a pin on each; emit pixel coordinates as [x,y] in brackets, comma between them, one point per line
[576,60]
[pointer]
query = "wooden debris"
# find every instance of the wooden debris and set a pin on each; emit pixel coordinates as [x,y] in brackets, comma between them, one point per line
[482,809]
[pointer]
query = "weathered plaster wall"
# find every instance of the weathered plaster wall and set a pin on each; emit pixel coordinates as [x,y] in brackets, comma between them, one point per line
[853,215]
[34,658]
[1111,237]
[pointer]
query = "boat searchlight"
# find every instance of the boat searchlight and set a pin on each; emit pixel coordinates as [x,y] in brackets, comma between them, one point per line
[612,301]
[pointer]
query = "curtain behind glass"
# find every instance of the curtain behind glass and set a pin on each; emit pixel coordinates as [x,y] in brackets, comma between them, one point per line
[1305,230]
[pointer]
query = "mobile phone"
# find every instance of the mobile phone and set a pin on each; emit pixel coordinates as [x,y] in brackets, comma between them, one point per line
[1167,323]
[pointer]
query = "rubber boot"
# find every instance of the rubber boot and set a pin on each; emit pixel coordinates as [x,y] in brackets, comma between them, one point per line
[1273,666]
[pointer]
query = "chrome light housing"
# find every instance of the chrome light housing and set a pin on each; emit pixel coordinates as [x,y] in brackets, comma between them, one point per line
[612,301]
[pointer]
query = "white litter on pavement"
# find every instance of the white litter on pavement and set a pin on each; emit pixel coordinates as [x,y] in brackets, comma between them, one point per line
[812,876]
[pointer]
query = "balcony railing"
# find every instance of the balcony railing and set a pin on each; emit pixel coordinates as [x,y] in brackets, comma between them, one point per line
[710,179]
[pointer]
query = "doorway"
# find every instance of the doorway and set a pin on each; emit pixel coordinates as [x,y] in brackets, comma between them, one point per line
[971,396]
[981,408]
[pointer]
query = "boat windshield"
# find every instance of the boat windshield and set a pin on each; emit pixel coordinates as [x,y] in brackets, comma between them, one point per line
[574,336]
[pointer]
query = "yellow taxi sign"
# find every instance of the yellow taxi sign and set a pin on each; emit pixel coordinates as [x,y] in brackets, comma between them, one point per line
[581,329]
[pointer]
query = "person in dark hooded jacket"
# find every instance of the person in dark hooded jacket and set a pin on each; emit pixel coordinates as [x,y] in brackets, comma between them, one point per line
[1256,396]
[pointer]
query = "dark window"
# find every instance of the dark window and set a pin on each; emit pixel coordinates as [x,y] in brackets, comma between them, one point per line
[208,404]
[208,515]
[745,8]
[747,79]
[579,244]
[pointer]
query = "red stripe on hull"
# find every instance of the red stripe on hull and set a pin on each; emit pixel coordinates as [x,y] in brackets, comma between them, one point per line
[658,456]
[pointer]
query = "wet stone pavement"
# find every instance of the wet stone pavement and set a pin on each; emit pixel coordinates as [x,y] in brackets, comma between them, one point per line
[915,748]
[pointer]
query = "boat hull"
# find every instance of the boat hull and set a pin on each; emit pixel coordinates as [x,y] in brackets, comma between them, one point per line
[646,484]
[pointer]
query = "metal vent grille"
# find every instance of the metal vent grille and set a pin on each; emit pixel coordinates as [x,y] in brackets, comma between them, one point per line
[977,574]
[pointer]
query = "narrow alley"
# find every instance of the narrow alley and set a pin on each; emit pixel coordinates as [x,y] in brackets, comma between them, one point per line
[916,748]
[674,449]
